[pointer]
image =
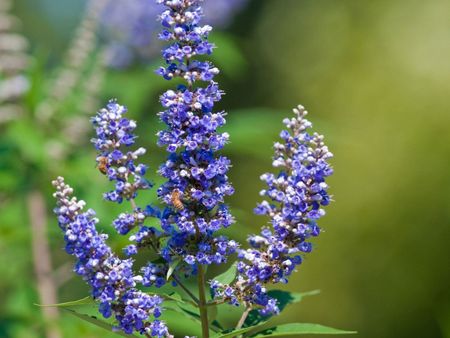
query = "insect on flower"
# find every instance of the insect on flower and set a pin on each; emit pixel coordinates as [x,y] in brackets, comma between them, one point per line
[102,162]
[176,200]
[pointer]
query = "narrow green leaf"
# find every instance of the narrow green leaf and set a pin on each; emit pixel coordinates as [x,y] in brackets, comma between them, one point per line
[212,313]
[186,313]
[190,309]
[193,311]
[172,296]
[238,332]
[176,308]
[294,329]
[98,322]
[83,301]
[228,276]
[284,298]
[172,268]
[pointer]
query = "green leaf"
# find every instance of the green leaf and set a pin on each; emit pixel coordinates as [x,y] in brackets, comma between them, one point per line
[173,296]
[194,312]
[190,314]
[228,276]
[172,267]
[189,309]
[98,322]
[178,309]
[212,313]
[284,298]
[237,332]
[294,329]
[82,301]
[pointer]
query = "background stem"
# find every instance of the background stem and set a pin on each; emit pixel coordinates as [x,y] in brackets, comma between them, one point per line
[202,302]
[42,261]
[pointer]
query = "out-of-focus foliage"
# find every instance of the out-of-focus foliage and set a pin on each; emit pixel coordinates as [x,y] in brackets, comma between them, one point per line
[374,76]
[130,29]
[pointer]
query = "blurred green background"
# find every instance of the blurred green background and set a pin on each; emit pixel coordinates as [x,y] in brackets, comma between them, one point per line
[375,77]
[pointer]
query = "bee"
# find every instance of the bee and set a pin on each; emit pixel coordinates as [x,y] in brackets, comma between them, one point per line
[176,201]
[102,161]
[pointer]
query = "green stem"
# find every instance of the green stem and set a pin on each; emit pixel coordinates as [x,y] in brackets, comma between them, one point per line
[202,302]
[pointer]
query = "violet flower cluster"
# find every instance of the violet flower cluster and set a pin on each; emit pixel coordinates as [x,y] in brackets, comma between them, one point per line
[193,195]
[296,197]
[197,181]
[114,132]
[132,39]
[112,281]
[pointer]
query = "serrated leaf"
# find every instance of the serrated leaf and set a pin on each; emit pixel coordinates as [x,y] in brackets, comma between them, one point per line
[238,332]
[98,322]
[228,276]
[83,301]
[284,298]
[172,268]
[294,329]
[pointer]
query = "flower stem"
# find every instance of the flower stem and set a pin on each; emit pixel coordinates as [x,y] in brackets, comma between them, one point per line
[133,203]
[202,302]
[243,318]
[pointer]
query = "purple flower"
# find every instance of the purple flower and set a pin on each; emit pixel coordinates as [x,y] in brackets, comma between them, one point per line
[154,275]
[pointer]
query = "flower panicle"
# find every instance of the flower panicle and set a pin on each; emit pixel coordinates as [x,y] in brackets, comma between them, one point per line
[197,181]
[114,133]
[295,198]
[112,281]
